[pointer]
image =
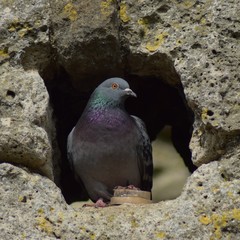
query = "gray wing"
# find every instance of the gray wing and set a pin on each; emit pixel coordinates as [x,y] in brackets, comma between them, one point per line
[71,154]
[144,153]
[70,150]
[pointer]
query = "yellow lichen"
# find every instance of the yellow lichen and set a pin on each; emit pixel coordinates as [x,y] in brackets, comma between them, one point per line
[157,42]
[21,198]
[105,7]
[70,11]
[219,221]
[205,220]
[201,29]
[22,32]
[199,188]
[60,216]
[123,12]
[11,28]
[82,229]
[186,4]
[38,23]
[44,224]
[215,190]
[230,194]
[204,114]
[176,24]
[24,236]
[40,211]
[199,133]
[179,42]
[203,21]
[161,235]
[14,25]
[144,24]
[26,29]
[111,218]
[21,28]
[236,214]
[134,223]
[198,28]
[3,53]
[92,236]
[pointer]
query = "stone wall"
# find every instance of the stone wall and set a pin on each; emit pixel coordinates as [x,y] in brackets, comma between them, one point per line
[191,46]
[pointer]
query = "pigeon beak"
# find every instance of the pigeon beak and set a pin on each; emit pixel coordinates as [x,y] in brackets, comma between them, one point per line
[130,92]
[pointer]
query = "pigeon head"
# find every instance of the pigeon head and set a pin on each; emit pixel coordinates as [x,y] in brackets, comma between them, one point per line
[112,91]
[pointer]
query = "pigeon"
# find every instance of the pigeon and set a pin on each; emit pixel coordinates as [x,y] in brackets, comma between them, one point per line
[108,147]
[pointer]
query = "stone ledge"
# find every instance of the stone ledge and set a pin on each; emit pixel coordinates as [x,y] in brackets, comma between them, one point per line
[33,208]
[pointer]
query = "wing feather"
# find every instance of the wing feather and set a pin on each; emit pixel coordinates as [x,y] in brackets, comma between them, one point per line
[144,153]
[70,150]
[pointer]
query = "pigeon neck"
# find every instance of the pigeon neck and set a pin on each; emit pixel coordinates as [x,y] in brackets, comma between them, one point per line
[97,102]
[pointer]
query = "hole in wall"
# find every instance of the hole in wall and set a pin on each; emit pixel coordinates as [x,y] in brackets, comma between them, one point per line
[210,113]
[169,124]
[10,93]
[170,172]
[158,105]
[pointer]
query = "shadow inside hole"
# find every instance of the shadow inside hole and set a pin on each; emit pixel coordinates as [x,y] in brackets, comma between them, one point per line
[170,172]
[158,104]
[10,93]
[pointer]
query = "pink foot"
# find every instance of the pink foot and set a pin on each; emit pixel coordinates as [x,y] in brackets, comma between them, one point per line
[99,203]
[132,187]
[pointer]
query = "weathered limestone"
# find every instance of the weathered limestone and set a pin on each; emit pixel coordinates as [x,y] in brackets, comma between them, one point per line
[193,43]
[27,127]
[25,121]
[209,208]
[86,38]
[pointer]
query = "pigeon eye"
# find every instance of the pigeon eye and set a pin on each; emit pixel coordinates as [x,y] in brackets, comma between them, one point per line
[115,86]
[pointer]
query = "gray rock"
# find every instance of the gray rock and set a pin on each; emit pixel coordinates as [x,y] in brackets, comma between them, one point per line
[25,33]
[195,44]
[86,37]
[25,121]
[28,204]
[27,127]
[210,77]
[32,207]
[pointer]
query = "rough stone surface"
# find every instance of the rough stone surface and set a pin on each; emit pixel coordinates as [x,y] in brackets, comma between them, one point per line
[208,64]
[193,43]
[86,38]
[24,29]
[209,208]
[25,121]
[27,127]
